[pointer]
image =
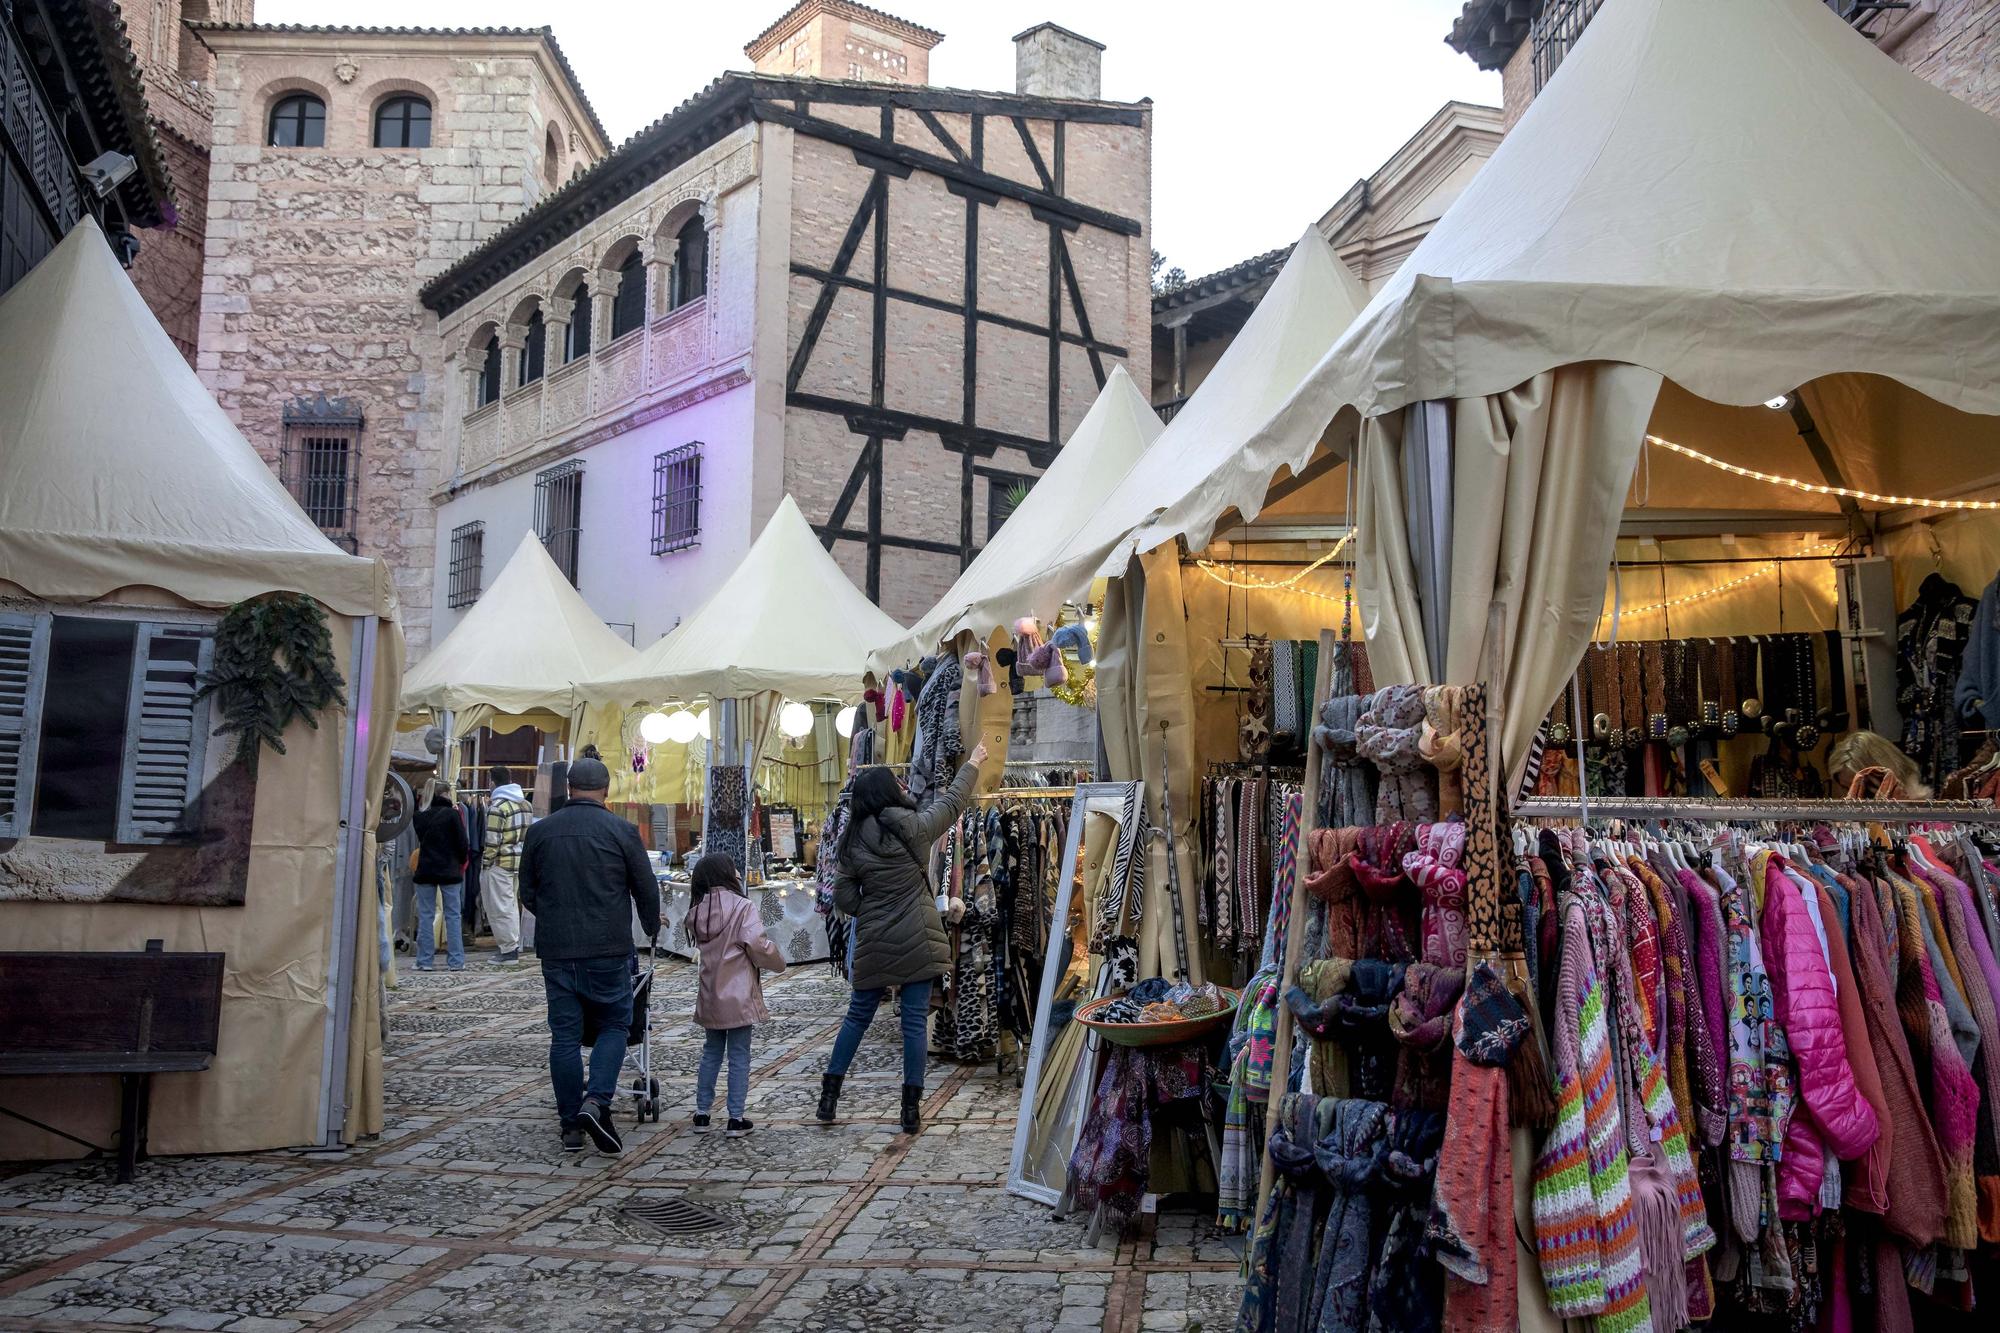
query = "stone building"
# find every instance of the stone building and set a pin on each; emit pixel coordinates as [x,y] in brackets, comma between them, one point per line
[1954,44]
[892,302]
[1373,227]
[347,167]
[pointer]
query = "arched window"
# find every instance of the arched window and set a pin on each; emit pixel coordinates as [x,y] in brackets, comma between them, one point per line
[628,308]
[298,121]
[488,388]
[403,122]
[552,160]
[576,338]
[690,275]
[534,351]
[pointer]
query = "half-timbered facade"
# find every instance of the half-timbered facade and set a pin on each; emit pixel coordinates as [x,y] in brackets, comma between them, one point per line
[891,301]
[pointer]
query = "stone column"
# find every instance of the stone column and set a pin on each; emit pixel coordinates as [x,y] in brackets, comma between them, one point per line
[555,335]
[512,341]
[603,293]
[660,272]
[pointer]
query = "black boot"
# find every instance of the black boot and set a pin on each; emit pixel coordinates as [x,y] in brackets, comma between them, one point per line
[913,1099]
[829,1097]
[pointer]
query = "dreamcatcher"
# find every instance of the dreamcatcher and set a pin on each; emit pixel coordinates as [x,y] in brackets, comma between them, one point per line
[635,743]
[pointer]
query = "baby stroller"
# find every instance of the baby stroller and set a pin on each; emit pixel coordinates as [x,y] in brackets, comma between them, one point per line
[644,1087]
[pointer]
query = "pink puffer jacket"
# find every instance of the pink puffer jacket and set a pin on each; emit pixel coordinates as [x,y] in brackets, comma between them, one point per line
[1832,1111]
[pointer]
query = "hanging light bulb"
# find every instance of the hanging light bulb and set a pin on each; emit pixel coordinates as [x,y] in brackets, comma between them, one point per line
[795,720]
[702,725]
[682,728]
[655,728]
[1780,403]
[843,721]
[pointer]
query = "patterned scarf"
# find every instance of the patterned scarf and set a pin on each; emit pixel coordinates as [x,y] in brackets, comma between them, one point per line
[936,748]
[1350,1157]
[1404,1295]
[1124,887]
[1347,785]
[1387,735]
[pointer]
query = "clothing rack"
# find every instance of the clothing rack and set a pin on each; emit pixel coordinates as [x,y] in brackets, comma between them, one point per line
[1831,810]
[1026,793]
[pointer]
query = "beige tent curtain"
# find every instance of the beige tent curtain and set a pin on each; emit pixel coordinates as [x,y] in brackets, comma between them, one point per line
[1539,477]
[1142,682]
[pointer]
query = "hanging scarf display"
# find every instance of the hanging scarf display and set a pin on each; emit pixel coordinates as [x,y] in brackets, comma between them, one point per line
[1387,735]
[935,751]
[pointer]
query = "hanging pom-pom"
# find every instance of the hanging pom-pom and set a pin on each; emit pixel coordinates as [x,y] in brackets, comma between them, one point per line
[977,662]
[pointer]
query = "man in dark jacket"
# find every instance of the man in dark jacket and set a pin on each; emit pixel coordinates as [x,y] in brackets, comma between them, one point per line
[583,871]
[442,852]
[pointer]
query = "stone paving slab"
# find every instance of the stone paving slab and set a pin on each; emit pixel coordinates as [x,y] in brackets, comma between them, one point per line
[962,1224]
[168,1187]
[26,1243]
[764,1223]
[188,1278]
[940,1300]
[1191,1301]
[798,1153]
[976,1153]
[412,1086]
[511,1292]
[514,1145]
[402,1202]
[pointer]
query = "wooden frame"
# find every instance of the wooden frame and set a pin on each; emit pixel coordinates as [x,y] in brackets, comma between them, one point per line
[1101,796]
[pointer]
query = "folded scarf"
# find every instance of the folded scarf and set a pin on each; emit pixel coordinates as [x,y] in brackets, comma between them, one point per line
[1347,782]
[1404,1295]
[1387,735]
[1350,1157]
[1420,1020]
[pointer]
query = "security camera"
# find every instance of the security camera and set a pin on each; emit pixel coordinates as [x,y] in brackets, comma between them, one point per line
[107,171]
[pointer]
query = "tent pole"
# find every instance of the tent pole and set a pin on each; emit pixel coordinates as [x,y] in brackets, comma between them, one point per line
[1427,476]
[349,870]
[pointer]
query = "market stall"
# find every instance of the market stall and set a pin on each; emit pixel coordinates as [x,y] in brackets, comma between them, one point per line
[144,544]
[785,629]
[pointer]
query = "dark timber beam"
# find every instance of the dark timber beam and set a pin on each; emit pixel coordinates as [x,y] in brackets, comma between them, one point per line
[946,168]
[955,308]
[828,535]
[864,419]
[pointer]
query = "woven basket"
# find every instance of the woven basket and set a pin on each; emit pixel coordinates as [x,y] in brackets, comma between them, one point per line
[1161,1034]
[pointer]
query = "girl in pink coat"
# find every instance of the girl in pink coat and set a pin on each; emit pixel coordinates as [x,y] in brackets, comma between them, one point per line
[735,952]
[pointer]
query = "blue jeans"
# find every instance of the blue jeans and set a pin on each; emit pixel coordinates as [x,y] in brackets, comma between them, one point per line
[454,932]
[601,990]
[915,1004]
[736,1041]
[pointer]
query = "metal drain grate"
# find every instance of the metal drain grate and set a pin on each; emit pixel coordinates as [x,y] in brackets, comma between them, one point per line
[673,1215]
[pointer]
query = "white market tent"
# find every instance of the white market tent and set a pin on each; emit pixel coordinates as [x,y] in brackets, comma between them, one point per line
[523,647]
[1119,427]
[1713,204]
[1309,303]
[125,490]
[787,621]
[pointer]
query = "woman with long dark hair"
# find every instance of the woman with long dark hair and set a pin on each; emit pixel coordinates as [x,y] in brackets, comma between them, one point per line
[898,939]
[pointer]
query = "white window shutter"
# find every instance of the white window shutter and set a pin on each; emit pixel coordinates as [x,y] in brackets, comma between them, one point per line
[24,663]
[166,734]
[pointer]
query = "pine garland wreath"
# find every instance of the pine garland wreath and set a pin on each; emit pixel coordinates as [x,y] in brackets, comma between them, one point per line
[273,664]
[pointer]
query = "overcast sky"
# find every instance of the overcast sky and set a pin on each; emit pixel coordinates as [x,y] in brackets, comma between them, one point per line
[1264,110]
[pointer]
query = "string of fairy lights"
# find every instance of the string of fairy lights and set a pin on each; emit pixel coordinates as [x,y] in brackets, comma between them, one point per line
[1251,582]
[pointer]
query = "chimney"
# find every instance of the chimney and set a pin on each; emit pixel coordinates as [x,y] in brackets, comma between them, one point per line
[1051,61]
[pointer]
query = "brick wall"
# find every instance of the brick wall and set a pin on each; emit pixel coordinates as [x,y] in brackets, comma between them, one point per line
[168,270]
[922,481]
[314,256]
[1959,51]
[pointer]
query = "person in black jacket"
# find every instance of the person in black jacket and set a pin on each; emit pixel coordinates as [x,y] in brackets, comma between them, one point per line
[897,938]
[583,872]
[441,855]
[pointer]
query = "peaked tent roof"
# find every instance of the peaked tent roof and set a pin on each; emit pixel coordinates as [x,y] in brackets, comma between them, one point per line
[1197,465]
[1743,197]
[118,468]
[788,619]
[524,644]
[1112,436]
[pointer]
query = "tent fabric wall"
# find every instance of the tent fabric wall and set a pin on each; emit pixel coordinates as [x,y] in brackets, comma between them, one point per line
[1539,476]
[263,1088]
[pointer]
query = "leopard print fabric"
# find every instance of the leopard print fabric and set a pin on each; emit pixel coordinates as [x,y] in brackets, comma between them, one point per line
[1483,895]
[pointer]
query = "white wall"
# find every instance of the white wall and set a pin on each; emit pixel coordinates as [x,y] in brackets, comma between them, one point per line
[617,573]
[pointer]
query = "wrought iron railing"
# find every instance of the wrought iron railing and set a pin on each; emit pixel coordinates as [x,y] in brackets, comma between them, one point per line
[1167,411]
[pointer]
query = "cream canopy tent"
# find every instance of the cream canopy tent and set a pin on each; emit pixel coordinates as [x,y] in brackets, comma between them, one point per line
[1099,452]
[523,646]
[123,483]
[1312,299]
[788,620]
[1744,199]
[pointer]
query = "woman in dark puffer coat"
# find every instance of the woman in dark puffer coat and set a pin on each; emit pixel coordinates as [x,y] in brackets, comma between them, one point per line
[898,938]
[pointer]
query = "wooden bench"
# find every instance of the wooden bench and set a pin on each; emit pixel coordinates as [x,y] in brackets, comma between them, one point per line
[130,1014]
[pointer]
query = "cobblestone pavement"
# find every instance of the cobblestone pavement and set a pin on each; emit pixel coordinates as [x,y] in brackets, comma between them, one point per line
[466,1213]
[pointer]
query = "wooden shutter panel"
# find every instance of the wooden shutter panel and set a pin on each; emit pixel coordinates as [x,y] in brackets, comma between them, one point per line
[24,663]
[166,734]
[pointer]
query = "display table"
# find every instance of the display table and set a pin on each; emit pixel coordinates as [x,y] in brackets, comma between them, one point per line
[785,906]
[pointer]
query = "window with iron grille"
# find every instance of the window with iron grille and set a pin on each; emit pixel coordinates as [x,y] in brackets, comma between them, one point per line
[677,499]
[468,564]
[317,462]
[559,513]
[1556,29]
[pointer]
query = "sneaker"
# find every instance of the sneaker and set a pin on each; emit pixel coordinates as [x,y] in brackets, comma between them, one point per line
[425,967]
[596,1121]
[701,1124]
[572,1137]
[511,956]
[737,1129]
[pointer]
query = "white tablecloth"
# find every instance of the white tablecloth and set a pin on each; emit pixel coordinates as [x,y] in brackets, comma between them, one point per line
[785,906]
